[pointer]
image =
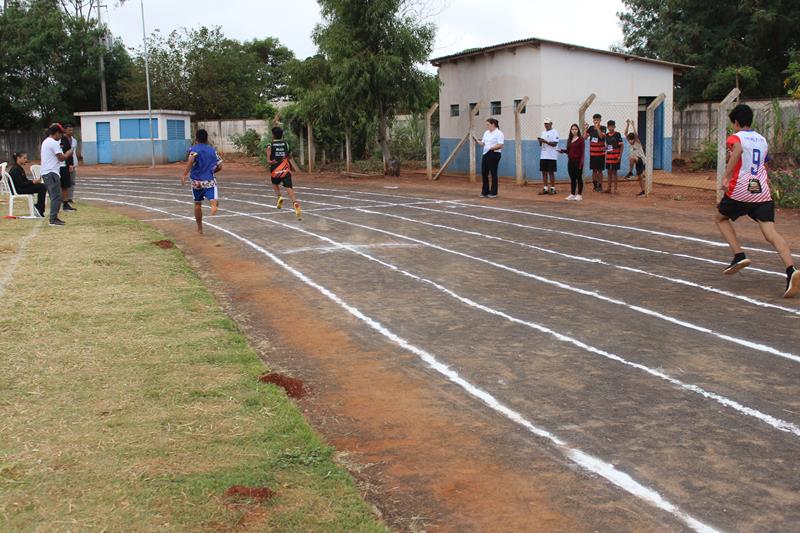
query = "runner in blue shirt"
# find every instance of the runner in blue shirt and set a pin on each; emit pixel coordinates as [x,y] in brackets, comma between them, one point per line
[202,164]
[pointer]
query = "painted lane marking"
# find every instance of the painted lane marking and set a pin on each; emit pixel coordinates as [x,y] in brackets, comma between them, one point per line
[12,265]
[781,425]
[585,460]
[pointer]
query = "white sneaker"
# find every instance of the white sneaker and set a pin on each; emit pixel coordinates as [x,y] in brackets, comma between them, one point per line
[570,198]
[578,198]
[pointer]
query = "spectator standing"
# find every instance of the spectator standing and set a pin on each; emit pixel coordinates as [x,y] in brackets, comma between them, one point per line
[25,186]
[636,157]
[597,150]
[575,153]
[614,145]
[492,143]
[66,168]
[548,160]
[51,157]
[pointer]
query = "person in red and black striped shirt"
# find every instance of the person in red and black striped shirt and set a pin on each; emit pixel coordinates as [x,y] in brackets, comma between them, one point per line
[614,147]
[597,150]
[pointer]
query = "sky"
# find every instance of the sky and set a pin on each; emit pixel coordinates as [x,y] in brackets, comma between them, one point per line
[461,23]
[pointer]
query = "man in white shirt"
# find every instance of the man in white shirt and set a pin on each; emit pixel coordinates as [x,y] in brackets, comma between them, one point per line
[549,156]
[52,156]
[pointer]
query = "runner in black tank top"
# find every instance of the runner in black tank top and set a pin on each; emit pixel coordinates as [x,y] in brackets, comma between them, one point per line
[279,157]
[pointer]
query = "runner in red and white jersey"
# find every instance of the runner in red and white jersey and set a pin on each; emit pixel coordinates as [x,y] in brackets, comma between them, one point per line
[746,188]
[749,182]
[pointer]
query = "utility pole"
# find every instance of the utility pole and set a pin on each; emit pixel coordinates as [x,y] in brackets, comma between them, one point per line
[149,102]
[103,96]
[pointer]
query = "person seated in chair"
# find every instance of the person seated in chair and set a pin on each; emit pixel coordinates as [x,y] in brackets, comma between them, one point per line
[25,186]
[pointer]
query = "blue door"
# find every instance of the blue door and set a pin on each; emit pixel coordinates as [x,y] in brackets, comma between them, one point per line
[104,142]
[658,130]
[176,140]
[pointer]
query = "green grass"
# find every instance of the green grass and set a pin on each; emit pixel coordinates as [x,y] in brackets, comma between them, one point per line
[130,402]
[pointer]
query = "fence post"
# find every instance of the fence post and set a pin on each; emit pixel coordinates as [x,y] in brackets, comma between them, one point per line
[651,129]
[722,131]
[520,170]
[582,111]
[311,153]
[429,140]
[472,114]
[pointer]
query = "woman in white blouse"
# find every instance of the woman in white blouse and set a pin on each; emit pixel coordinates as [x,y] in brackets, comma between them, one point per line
[492,144]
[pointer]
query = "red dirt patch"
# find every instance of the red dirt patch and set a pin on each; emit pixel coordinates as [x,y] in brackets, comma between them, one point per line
[259,494]
[165,244]
[294,388]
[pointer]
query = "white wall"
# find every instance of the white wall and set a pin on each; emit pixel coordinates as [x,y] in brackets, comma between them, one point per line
[505,75]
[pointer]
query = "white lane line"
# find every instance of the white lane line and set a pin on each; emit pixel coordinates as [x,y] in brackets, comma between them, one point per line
[583,459]
[598,261]
[594,260]
[341,247]
[457,204]
[781,425]
[582,221]
[12,265]
[593,294]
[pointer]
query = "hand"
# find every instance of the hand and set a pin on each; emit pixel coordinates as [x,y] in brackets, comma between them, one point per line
[272,161]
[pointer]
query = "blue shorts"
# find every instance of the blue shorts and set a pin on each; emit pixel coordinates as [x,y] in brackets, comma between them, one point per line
[204,190]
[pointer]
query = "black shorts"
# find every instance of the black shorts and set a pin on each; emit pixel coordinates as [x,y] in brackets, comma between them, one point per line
[597,162]
[547,165]
[612,166]
[286,182]
[758,211]
[639,167]
[66,179]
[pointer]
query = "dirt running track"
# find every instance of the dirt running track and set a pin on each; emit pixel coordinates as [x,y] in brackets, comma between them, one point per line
[516,364]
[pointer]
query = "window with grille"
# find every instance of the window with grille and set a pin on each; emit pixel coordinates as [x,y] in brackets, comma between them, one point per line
[517,102]
[454,110]
[497,107]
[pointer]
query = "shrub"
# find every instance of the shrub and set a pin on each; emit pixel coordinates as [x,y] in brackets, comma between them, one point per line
[706,158]
[408,140]
[247,142]
[785,186]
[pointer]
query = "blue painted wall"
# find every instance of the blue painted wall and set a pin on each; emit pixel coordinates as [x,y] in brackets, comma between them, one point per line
[530,159]
[134,152]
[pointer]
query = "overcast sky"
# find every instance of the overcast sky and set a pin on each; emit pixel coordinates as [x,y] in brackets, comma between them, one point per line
[461,23]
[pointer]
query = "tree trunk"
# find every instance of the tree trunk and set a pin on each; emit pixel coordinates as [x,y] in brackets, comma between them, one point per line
[348,154]
[383,126]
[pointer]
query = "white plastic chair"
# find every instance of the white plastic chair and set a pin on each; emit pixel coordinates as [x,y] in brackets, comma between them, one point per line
[14,196]
[36,170]
[4,190]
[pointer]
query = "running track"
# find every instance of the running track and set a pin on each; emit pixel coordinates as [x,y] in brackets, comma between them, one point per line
[619,347]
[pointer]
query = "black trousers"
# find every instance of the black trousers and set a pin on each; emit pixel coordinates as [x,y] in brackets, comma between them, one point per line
[575,176]
[35,188]
[489,165]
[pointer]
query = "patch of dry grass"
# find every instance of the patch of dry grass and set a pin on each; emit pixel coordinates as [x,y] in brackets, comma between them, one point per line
[130,402]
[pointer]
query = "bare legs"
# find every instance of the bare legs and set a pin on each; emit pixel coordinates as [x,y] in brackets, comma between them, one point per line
[198,216]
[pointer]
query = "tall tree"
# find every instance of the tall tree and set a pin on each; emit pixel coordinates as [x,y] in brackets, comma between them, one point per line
[727,41]
[203,71]
[374,48]
[49,63]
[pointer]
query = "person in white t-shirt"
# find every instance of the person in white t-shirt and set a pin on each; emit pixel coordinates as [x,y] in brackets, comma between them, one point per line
[51,158]
[549,156]
[492,143]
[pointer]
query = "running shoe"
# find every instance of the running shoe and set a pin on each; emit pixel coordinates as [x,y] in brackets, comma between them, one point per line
[297,212]
[570,198]
[641,194]
[279,205]
[492,196]
[738,263]
[67,207]
[792,284]
[578,198]
[552,190]
[58,222]
[484,195]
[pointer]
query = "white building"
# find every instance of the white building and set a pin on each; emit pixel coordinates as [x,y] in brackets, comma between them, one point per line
[123,137]
[557,78]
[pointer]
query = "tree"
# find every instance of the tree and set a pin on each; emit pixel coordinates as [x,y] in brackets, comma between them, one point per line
[374,48]
[723,40]
[203,71]
[49,61]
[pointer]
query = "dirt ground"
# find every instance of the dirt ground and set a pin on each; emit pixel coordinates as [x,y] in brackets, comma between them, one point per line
[431,458]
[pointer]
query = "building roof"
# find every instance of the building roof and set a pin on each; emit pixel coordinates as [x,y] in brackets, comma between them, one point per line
[536,42]
[133,112]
